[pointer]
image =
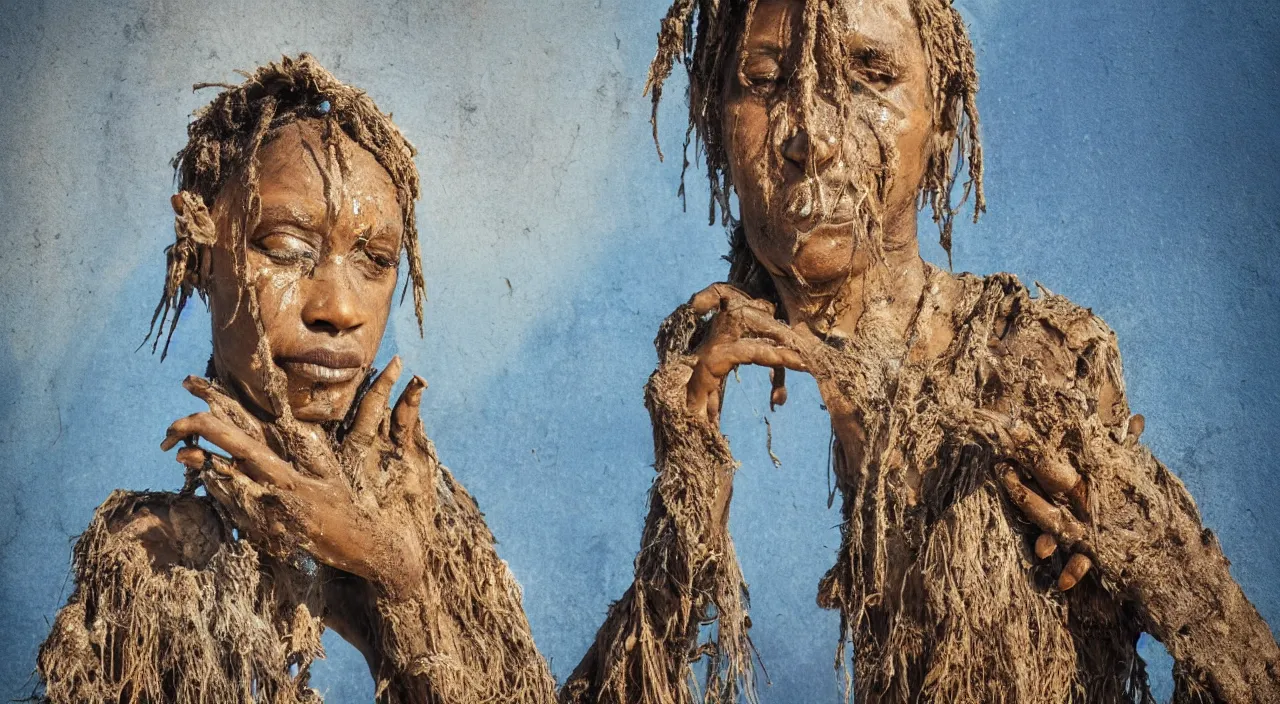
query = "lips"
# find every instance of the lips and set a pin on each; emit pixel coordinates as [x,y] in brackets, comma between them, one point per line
[802,212]
[323,366]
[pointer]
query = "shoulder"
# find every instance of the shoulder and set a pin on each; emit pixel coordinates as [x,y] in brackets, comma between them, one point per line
[1052,342]
[174,529]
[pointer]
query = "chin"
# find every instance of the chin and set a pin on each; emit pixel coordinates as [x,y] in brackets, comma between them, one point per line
[824,255]
[320,405]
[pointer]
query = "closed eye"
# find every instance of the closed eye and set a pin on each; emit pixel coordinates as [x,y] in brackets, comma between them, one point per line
[286,247]
[876,68]
[382,252]
[760,73]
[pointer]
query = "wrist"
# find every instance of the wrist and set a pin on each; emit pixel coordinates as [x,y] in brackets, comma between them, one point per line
[399,575]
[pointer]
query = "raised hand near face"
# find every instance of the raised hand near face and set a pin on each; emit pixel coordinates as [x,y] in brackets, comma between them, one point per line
[290,488]
[743,330]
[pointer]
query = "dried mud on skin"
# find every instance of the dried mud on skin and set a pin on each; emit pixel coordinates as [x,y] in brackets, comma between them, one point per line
[464,638]
[686,574]
[941,597]
[226,623]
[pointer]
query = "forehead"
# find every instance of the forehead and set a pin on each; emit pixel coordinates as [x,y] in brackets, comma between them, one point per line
[882,23]
[296,163]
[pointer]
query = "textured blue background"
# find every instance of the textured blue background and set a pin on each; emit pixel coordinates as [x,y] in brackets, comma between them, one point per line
[1132,166]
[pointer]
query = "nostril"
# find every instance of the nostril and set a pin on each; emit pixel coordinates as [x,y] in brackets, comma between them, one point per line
[796,148]
[323,326]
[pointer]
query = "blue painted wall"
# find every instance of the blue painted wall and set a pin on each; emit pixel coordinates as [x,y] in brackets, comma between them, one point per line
[1132,154]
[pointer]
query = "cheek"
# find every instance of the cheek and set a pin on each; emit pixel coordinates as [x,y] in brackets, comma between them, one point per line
[746,137]
[914,139]
[278,289]
[384,293]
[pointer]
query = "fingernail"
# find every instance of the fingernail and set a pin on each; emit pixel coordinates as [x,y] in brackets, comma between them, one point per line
[1076,568]
[1045,545]
[778,396]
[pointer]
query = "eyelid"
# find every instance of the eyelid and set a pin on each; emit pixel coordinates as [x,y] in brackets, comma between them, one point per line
[291,231]
[379,249]
[759,64]
[877,61]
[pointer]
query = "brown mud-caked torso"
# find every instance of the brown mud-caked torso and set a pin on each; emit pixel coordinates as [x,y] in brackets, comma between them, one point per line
[938,589]
[170,605]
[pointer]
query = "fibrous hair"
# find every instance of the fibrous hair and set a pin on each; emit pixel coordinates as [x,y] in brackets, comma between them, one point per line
[223,142]
[703,34]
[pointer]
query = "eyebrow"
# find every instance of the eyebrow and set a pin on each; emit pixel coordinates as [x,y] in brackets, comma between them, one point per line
[290,213]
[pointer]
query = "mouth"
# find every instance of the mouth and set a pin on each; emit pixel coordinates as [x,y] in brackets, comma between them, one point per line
[322,366]
[805,214]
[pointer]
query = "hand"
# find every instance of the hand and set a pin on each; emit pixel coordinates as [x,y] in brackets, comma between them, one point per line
[1054,475]
[743,330]
[325,499]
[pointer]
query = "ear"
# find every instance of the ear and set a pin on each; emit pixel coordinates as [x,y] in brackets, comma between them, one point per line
[196,232]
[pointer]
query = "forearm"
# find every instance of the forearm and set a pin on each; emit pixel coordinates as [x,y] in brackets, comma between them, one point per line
[461,635]
[1149,542]
[684,573]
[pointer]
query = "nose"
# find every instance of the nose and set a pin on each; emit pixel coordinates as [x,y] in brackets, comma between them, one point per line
[805,151]
[332,304]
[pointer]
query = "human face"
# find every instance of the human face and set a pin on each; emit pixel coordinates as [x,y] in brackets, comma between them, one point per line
[322,262]
[811,198]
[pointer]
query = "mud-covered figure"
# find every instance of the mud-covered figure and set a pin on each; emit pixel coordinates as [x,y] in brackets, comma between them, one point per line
[1006,537]
[324,506]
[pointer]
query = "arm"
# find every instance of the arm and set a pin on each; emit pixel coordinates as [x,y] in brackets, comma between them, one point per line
[412,577]
[461,635]
[1141,526]
[686,574]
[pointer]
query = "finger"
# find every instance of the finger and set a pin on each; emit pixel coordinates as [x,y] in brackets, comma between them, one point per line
[1133,431]
[224,405]
[405,418]
[753,321]
[707,380]
[1075,570]
[1046,544]
[778,379]
[194,457]
[1055,474]
[715,296]
[220,475]
[259,462]
[238,494]
[1079,498]
[721,359]
[373,407]
[1050,518]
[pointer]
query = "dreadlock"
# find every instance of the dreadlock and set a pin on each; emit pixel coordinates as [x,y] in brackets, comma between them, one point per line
[701,34]
[223,142]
